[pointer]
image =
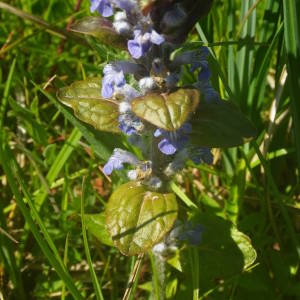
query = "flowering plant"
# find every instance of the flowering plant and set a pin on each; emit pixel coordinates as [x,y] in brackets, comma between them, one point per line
[147,99]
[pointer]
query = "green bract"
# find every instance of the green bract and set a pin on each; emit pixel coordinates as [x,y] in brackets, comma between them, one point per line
[101,29]
[137,218]
[220,125]
[89,106]
[166,111]
[95,223]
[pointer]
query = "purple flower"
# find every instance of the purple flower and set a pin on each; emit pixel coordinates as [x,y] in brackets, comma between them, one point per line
[173,140]
[142,42]
[104,7]
[118,158]
[166,146]
[129,6]
[113,75]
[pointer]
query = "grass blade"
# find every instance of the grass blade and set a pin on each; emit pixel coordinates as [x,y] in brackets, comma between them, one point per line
[63,290]
[58,164]
[292,45]
[182,196]
[283,210]
[95,281]
[8,258]
[6,92]
[13,175]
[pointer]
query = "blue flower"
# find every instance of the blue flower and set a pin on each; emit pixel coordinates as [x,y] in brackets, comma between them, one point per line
[117,159]
[173,140]
[168,147]
[142,42]
[129,6]
[113,75]
[104,7]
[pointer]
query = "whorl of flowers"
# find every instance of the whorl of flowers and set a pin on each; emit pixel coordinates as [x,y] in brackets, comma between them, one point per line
[150,65]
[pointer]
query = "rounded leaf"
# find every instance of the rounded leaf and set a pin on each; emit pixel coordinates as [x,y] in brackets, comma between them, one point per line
[137,218]
[102,29]
[95,224]
[89,106]
[166,111]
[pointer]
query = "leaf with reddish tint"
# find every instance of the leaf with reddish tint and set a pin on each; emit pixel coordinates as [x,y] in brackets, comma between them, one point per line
[166,111]
[89,106]
[95,224]
[137,218]
[102,29]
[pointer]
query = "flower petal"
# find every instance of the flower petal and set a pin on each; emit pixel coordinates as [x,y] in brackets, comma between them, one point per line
[117,159]
[94,5]
[128,5]
[105,9]
[107,89]
[166,147]
[135,49]
[156,38]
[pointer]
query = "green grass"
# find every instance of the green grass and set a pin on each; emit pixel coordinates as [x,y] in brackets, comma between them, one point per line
[46,251]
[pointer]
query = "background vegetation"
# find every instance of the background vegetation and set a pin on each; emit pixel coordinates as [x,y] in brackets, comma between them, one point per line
[45,253]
